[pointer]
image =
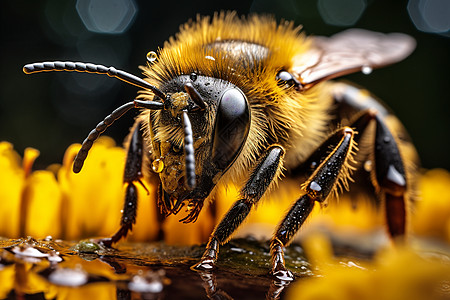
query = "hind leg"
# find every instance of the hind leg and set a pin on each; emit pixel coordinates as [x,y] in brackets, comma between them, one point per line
[390,173]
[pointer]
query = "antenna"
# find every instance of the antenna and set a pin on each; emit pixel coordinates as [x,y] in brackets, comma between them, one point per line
[188,151]
[70,66]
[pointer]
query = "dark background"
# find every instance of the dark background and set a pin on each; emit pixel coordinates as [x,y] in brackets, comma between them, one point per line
[51,111]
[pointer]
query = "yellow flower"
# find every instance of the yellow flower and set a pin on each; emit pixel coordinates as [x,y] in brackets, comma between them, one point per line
[12,181]
[431,217]
[394,274]
[92,199]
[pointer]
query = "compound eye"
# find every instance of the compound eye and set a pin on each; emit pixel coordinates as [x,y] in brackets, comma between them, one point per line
[285,79]
[231,128]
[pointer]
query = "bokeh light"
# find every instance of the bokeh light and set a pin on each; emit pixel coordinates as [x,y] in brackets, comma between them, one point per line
[107,16]
[341,13]
[430,15]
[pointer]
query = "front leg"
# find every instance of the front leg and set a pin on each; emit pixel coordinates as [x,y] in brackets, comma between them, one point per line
[252,192]
[132,175]
[318,186]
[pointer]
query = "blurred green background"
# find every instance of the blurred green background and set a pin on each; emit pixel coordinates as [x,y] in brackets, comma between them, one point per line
[51,111]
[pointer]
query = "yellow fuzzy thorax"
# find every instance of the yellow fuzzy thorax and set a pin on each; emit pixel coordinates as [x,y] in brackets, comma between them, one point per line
[186,52]
[275,110]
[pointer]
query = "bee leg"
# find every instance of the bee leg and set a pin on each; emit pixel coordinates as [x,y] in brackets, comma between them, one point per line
[132,174]
[390,178]
[317,187]
[255,187]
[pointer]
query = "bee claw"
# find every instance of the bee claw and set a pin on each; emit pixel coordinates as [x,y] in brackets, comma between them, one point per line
[206,265]
[282,275]
[194,208]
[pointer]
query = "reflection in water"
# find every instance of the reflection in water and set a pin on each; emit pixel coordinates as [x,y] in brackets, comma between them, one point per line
[46,269]
[276,288]
[210,285]
[213,291]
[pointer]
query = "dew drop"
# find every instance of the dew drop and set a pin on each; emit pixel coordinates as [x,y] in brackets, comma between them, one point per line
[68,277]
[29,252]
[236,249]
[366,70]
[152,56]
[157,165]
[87,247]
[54,257]
[141,285]
[368,165]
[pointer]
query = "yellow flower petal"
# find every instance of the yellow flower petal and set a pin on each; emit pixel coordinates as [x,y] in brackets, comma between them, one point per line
[176,233]
[43,205]
[29,157]
[431,216]
[99,290]
[396,274]
[93,198]
[7,278]
[12,180]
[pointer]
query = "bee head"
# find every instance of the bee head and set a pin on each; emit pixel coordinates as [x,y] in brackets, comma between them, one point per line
[198,135]
[198,125]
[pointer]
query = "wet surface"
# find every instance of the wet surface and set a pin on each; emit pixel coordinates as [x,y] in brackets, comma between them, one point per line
[44,269]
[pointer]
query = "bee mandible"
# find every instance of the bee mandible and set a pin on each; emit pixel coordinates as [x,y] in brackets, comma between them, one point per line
[247,100]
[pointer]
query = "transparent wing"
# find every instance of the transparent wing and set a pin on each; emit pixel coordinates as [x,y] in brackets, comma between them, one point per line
[350,51]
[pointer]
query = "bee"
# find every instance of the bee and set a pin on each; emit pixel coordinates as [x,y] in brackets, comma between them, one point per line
[247,100]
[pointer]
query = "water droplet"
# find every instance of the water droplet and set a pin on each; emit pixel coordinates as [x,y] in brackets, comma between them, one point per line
[87,247]
[68,277]
[193,76]
[210,57]
[54,257]
[313,165]
[148,283]
[368,165]
[236,249]
[366,70]
[28,252]
[151,57]
[386,139]
[157,165]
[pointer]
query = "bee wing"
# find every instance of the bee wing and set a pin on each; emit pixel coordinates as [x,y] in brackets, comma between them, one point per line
[350,51]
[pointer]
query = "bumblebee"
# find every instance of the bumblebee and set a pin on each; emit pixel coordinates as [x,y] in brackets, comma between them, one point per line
[248,100]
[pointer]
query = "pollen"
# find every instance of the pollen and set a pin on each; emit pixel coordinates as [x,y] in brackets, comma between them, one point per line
[179,103]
